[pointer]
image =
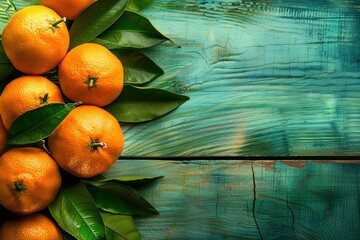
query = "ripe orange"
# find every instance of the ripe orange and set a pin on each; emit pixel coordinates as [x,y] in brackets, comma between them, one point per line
[87,142]
[35,39]
[26,93]
[35,226]
[67,8]
[29,180]
[3,134]
[92,74]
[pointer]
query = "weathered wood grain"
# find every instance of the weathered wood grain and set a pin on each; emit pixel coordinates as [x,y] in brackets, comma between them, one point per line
[265,78]
[248,199]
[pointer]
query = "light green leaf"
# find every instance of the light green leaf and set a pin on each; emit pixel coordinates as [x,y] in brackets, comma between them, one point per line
[75,212]
[138,5]
[39,123]
[131,30]
[137,104]
[95,19]
[119,199]
[138,68]
[120,227]
[7,9]
[133,181]
[19,4]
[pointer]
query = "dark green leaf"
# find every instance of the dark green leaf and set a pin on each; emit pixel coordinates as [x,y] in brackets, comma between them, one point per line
[138,68]
[138,5]
[6,68]
[120,227]
[119,199]
[75,212]
[133,181]
[95,19]
[4,214]
[131,30]
[3,58]
[68,236]
[39,123]
[143,104]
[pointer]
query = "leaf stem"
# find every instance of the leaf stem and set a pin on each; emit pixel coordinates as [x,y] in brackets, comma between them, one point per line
[19,187]
[91,81]
[55,24]
[94,144]
[44,99]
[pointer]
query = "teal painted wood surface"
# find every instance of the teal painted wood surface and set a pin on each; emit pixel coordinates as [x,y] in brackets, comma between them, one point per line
[265,78]
[248,200]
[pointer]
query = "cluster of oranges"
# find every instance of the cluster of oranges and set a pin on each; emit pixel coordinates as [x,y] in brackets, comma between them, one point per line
[87,142]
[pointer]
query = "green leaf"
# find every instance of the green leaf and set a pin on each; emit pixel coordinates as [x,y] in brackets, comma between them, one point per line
[19,4]
[95,19]
[7,9]
[137,104]
[75,212]
[3,58]
[38,123]
[120,227]
[67,236]
[133,181]
[138,68]
[4,214]
[6,68]
[119,199]
[131,30]
[138,5]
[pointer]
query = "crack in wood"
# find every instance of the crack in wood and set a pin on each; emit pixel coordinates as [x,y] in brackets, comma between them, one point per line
[254,203]
[292,217]
[358,189]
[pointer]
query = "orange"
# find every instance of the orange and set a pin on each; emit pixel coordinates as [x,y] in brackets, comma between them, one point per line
[87,142]
[3,134]
[67,8]
[29,180]
[26,93]
[92,74]
[35,226]
[35,39]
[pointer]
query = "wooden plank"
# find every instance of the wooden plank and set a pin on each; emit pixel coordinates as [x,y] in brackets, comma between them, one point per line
[248,199]
[265,78]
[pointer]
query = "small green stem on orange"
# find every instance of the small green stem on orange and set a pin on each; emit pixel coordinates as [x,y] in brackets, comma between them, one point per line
[44,99]
[94,144]
[19,187]
[55,24]
[91,81]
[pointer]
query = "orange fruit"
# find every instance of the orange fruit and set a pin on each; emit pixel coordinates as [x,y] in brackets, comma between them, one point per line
[35,226]
[90,73]
[67,8]
[87,142]
[26,93]
[3,134]
[35,39]
[29,180]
